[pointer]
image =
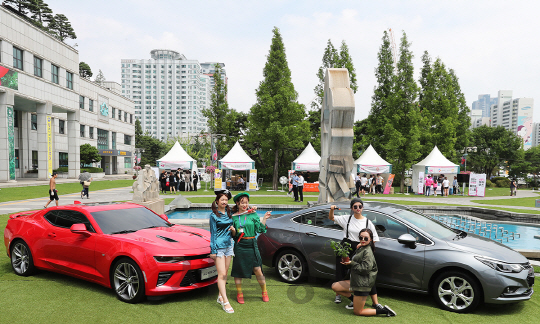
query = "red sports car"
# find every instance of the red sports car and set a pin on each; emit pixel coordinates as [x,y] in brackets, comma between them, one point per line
[123,246]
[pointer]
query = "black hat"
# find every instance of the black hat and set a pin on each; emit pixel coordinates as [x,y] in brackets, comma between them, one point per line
[223,191]
[356,200]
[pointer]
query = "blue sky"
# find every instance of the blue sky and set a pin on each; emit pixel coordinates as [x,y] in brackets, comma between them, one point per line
[492,45]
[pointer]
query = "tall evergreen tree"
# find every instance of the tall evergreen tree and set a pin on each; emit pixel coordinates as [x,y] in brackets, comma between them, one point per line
[381,104]
[424,73]
[41,13]
[345,61]
[403,128]
[21,6]
[330,60]
[84,70]
[463,132]
[61,28]
[276,124]
[100,78]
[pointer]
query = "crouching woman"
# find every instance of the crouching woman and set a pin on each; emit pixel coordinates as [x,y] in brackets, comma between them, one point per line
[363,274]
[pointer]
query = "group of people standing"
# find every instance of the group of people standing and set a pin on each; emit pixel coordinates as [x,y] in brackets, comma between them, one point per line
[297,181]
[372,185]
[442,182]
[179,180]
[234,233]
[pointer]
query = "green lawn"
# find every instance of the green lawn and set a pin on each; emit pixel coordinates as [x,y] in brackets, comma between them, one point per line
[518,202]
[52,298]
[22,193]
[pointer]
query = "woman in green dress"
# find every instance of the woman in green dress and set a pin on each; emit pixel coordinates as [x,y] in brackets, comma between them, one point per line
[247,258]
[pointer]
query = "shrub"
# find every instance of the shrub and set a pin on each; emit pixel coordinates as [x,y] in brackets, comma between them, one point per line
[490,184]
[92,170]
[503,183]
[61,169]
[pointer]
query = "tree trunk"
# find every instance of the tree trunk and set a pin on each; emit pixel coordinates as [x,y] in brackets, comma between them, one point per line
[276,170]
[402,184]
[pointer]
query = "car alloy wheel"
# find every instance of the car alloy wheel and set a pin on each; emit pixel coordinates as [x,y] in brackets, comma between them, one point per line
[457,292]
[128,281]
[290,266]
[21,259]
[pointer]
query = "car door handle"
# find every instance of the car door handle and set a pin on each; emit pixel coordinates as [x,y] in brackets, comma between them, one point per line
[311,234]
[52,234]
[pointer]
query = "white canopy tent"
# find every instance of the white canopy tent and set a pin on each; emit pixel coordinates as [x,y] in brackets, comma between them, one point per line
[176,158]
[434,163]
[308,160]
[236,159]
[371,162]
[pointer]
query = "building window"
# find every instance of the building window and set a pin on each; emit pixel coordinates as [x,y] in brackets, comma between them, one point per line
[127,139]
[125,116]
[16,118]
[119,114]
[16,158]
[54,73]
[81,102]
[33,120]
[62,159]
[113,112]
[102,139]
[17,58]
[127,162]
[82,130]
[113,139]
[61,126]
[131,118]
[34,160]
[90,105]
[69,80]
[91,132]
[38,67]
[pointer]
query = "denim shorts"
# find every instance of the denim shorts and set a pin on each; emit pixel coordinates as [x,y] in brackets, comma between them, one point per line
[228,251]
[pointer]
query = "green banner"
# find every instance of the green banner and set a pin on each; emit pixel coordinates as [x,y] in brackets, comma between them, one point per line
[11,142]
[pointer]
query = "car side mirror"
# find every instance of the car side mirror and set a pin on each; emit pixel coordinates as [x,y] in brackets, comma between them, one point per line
[80,229]
[408,240]
[164,217]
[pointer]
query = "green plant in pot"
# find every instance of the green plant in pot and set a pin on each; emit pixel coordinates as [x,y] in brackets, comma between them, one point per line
[341,249]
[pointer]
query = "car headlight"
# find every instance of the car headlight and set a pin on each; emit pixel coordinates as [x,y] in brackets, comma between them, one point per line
[499,265]
[169,259]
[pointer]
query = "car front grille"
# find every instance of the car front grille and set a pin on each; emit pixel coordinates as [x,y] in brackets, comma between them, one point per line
[192,277]
[163,277]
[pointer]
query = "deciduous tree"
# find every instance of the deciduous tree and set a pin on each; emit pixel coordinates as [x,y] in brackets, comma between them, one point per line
[89,154]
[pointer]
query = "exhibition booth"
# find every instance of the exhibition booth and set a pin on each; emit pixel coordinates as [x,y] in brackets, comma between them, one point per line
[228,175]
[306,163]
[434,164]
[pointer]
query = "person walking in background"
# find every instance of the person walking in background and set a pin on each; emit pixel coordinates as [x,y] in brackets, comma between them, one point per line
[195,180]
[86,188]
[371,182]
[301,186]
[85,176]
[429,185]
[53,193]
[513,187]
[357,185]
[364,184]
[435,184]
[187,177]
[163,181]
[455,185]
[295,186]
[172,182]
[445,186]
[177,176]
[379,183]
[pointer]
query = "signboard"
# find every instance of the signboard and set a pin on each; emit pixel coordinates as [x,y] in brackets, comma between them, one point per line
[253,179]
[9,78]
[11,142]
[477,185]
[442,169]
[420,183]
[389,184]
[114,153]
[311,167]
[290,172]
[49,147]
[311,187]
[237,165]
[217,179]
[374,168]
[175,165]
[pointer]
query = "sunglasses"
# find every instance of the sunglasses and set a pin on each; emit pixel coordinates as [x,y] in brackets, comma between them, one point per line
[357,207]
[364,238]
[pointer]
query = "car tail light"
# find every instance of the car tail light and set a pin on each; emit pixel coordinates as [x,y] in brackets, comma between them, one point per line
[163,277]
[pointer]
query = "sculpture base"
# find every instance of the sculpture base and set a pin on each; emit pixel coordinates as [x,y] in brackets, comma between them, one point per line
[157,206]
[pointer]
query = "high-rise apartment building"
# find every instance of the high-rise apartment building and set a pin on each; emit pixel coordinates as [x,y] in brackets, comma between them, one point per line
[497,117]
[484,104]
[169,91]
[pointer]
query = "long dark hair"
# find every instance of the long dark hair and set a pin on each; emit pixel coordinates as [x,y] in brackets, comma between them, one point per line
[214,205]
[235,207]
[371,243]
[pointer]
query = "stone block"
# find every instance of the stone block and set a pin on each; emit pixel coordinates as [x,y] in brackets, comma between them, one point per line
[157,206]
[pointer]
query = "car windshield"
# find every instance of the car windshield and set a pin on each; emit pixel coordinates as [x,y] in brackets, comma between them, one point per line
[127,220]
[427,224]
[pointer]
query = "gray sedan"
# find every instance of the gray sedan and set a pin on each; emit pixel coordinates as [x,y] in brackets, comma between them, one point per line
[415,253]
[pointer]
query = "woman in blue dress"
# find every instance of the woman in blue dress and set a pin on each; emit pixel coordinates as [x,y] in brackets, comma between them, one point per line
[221,243]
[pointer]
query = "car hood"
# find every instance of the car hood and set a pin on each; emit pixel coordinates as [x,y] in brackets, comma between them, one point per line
[484,246]
[171,238]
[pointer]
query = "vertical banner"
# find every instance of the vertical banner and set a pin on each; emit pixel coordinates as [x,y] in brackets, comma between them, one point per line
[253,179]
[420,183]
[290,176]
[217,179]
[473,184]
[481,185]
[11,142]
[49,147]
[389,184]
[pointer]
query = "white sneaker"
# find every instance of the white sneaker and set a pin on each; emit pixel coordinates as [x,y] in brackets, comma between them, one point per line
[350,306]
[338,299]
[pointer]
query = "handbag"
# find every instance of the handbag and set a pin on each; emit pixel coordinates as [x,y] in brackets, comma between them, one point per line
[86,183]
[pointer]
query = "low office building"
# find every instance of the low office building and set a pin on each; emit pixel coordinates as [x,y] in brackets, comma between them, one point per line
[48,112]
